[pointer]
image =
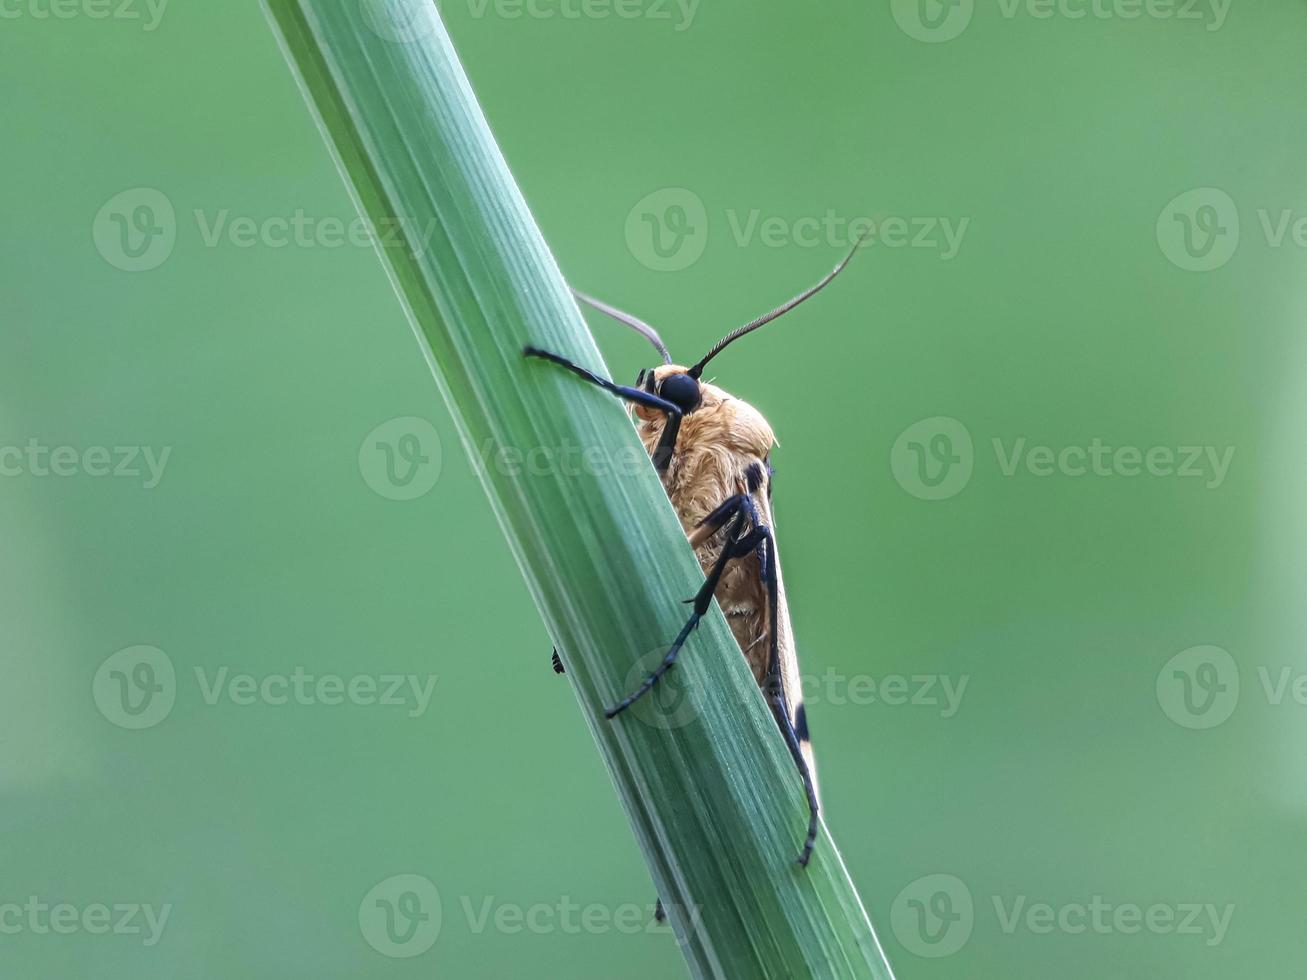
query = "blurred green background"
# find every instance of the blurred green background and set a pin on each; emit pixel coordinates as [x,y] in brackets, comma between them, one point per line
[1124,191]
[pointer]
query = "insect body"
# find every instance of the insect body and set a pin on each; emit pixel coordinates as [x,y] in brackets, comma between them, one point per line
[712,452]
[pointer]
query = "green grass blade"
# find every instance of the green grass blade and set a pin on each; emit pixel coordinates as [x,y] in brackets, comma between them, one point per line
[708,785]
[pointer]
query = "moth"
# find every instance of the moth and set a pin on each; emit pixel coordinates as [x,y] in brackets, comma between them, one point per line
[712,452]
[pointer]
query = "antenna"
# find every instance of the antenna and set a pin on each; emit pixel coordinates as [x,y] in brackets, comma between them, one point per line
[635,323]
[766,318]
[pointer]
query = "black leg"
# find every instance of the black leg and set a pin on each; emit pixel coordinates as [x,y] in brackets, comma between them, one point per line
[774,689]
[660,913]
[727,509]
[663,453]
[737,548]
[558,664]
[758,539]
[732,511]
[780,708]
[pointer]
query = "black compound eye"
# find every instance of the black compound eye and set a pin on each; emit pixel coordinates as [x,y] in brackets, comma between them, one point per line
[681,390]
